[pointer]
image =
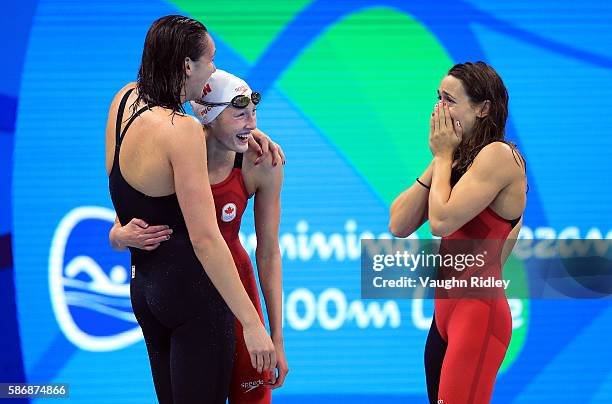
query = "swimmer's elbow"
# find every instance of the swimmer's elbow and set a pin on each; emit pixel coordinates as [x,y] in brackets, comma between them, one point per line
[398,227]
[267,251]
[204,243]
[439,228]
[397,231]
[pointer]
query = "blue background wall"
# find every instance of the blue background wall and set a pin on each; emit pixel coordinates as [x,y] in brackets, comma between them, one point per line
[347,158]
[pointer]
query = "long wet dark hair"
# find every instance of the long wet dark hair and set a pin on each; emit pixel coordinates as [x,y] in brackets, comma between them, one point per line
[161,76]
[482,83]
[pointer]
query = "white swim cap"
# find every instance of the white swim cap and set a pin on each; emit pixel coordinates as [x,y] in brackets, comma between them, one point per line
[220,87]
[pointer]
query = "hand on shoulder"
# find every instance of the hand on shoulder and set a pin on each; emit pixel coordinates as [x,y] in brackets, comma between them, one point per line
[264,173]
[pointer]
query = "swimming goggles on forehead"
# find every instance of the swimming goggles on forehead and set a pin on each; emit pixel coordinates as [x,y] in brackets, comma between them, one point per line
[239,101]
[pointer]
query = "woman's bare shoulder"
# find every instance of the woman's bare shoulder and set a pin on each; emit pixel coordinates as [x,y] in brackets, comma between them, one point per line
[122,91]
[264,172]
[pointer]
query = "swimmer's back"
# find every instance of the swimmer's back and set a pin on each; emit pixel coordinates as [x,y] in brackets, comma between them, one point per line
[144,158]
[141,177]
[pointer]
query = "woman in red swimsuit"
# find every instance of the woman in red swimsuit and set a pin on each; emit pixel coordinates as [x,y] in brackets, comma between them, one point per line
[227,110]
[469,337]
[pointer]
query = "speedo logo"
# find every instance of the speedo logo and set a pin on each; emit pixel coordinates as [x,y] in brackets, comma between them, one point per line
[249,386]
[241,89]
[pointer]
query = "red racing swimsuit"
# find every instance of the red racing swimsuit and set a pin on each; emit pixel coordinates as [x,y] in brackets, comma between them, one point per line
[471,330]
[231,198]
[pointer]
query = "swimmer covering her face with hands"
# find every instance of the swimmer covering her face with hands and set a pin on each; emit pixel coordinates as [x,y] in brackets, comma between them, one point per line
[487,176]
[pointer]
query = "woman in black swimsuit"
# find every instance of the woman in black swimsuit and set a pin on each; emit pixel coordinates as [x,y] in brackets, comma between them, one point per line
[183,292]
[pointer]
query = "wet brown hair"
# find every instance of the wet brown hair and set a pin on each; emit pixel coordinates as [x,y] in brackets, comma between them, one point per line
[161,76]
[482,83]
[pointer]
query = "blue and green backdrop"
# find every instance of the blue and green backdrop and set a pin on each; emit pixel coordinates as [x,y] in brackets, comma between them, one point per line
[347,89]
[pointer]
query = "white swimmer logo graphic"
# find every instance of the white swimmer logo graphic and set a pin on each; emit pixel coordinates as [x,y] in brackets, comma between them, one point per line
[228,212]
[92,307]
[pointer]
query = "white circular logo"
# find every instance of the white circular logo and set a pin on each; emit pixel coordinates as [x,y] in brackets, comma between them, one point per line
[82,292]
[228,212]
